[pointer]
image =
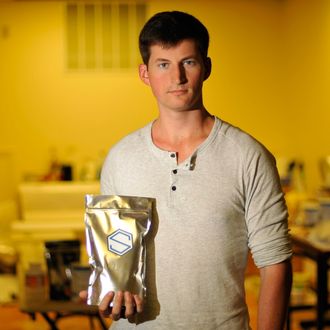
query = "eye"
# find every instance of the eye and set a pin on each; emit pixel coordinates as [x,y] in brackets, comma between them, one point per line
[163,65]
[189,62]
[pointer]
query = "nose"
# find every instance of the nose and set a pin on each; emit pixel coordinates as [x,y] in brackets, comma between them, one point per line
[179,74]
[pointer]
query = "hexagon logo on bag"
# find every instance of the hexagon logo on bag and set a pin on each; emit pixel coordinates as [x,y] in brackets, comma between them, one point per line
[120,242]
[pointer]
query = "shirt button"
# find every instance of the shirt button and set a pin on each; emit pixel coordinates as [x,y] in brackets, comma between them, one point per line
[175,171]
[173,188]
[173,155]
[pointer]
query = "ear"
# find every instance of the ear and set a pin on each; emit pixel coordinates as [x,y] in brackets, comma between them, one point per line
[143,73]
[208,68]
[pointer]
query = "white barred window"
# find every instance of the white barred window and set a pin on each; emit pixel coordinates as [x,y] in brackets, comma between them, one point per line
[103,35]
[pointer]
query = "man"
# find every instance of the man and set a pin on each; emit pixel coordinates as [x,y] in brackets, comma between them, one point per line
[217,195]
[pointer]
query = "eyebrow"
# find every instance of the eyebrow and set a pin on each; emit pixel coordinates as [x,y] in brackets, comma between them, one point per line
[162,60]
[183,59]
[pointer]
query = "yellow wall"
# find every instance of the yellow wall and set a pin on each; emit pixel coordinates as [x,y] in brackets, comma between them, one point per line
[271,72]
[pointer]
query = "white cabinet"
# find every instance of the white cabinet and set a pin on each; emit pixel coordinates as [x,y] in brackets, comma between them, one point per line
[50,211]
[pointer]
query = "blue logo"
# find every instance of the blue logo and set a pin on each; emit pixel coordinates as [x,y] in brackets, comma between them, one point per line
[120,242]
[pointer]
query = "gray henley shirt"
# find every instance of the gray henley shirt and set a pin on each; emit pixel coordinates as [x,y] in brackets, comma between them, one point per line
[210,210]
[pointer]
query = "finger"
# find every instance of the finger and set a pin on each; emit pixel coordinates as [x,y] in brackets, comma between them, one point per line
[117,304]
[129,304]
[104,306]
[139,303]
[83,295]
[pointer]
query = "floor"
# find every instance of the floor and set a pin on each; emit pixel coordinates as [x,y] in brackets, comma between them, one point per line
[12,319]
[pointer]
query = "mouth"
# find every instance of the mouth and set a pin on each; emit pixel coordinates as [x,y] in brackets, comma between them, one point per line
[178,92]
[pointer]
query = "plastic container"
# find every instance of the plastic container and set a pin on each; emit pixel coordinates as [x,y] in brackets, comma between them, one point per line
[35,284]
[80,279]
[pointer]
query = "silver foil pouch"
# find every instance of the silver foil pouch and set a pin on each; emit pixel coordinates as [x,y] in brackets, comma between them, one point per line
[116,227]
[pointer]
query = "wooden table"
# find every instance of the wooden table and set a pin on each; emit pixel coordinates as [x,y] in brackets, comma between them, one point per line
[319,253]
[52,311]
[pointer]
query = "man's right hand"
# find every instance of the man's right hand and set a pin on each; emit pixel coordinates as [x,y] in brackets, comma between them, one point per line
[125,304]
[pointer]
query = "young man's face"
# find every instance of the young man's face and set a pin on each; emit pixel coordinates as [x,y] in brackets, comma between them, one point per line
[176,75]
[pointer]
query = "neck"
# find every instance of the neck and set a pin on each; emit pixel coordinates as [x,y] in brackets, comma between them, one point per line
[182,132]
[182,124]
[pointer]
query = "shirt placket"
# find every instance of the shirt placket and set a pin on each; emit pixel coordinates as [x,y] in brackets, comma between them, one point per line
[175,182]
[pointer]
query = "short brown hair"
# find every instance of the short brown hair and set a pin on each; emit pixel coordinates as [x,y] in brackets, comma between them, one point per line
[169,28]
